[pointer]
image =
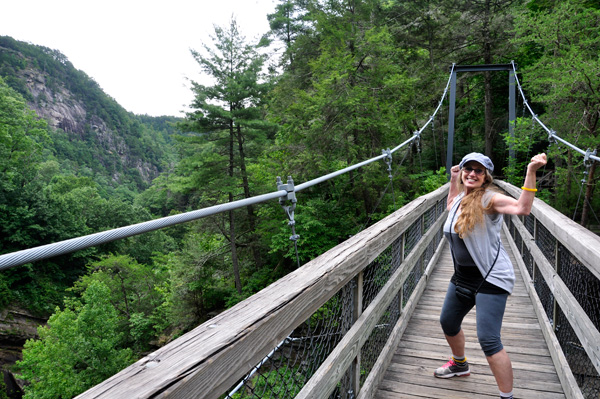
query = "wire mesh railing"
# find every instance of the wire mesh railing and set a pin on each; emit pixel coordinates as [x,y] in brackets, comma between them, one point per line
[286,370]
[565,274]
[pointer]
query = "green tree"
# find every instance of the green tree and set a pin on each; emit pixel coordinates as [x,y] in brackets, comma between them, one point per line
[229,121]
[22,136]
[79,348]
[134,295]
[355,73]
[564,79]
[287,23]
[197,283]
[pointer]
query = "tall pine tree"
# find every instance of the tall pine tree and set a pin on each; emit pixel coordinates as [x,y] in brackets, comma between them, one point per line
[227,130]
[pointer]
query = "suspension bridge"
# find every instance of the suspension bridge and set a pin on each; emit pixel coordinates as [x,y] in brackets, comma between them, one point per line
[361,320]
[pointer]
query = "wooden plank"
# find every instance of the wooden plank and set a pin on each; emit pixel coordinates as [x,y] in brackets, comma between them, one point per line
[377,371]
[523,379]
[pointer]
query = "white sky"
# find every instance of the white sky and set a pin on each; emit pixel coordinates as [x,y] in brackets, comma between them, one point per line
[138,51]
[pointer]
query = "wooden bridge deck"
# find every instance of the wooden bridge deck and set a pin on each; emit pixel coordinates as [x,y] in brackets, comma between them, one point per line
[423,349]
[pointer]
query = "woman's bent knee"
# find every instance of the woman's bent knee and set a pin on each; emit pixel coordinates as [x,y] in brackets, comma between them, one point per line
[449,325]
[491,346]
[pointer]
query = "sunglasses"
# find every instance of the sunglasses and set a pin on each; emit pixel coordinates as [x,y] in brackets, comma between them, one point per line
[478,171]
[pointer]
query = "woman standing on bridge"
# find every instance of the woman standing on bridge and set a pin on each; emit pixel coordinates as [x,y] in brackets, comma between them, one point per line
[483,272]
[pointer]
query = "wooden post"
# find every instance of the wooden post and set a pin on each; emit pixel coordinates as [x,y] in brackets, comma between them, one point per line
[357,311]
[557,268]
[401,293]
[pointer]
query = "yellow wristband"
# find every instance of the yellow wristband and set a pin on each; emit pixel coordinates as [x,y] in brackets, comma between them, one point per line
[533,190]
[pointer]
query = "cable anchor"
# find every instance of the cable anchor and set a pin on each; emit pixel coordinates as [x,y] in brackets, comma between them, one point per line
[587,162]
[388,160]
[551,138]
[289,209]
[417,140]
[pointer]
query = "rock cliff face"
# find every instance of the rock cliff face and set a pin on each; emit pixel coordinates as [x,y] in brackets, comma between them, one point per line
[16,327]
[65,112]
[58,107]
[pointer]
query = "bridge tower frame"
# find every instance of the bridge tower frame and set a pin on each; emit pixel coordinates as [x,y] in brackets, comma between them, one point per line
[452,105]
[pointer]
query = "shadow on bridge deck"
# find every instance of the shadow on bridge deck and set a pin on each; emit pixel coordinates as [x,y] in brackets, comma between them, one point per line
[423,349]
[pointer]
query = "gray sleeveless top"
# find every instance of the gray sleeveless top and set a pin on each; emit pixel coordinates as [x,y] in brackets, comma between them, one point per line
[482,244]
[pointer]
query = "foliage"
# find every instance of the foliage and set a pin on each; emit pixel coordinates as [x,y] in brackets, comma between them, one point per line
[199,282]
[355,77]
[564,78]
[526,132]
[134,295]
[80,347]
[3,394]
[275,384]
[429,180]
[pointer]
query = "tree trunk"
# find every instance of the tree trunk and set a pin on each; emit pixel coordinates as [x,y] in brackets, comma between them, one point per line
[249,208]
[232,243]
[232,236]
[589,190]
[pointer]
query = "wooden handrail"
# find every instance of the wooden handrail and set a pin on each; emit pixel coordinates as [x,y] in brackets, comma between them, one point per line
[332,370]
[581,242]
[585,247]
[210,359]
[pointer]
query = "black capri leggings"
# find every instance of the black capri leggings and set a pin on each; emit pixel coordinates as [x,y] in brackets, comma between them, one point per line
[490,311]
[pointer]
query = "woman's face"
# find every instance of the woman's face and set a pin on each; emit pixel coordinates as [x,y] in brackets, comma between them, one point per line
[473,175]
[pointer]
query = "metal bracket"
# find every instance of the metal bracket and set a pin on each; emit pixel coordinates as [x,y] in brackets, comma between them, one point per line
[551,138]
[289,209]
[417,141]
[587,163]
[388,160]
[586,160]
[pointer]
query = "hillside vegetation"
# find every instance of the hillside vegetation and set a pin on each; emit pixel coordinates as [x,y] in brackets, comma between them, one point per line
[349,79]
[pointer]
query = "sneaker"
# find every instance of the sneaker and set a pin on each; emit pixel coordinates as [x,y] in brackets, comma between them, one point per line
[452,369]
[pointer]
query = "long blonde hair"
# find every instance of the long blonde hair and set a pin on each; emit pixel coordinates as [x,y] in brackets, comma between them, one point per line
[472,209]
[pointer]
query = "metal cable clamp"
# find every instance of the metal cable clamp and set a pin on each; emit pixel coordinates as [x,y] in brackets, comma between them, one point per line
[587,162]
[290,209]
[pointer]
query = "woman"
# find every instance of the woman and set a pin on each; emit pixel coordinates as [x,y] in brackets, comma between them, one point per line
[481,263]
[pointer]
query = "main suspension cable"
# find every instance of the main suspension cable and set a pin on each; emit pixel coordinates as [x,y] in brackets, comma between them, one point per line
[74,244]
[551,133]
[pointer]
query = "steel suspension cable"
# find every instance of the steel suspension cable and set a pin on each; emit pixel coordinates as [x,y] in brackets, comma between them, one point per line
[418,132]
[75,244]
[551,133]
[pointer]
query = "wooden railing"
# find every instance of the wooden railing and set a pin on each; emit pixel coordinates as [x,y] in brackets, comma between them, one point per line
[208,361]
[560,262]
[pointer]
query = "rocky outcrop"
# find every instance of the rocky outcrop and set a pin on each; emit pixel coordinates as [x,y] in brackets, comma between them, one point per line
[16,327]
[57,106]
[63,111]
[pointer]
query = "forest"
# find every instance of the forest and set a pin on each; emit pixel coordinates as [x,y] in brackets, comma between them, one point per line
[333,83]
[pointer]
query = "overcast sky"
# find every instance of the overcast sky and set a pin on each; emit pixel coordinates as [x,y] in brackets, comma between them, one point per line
[138,51]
